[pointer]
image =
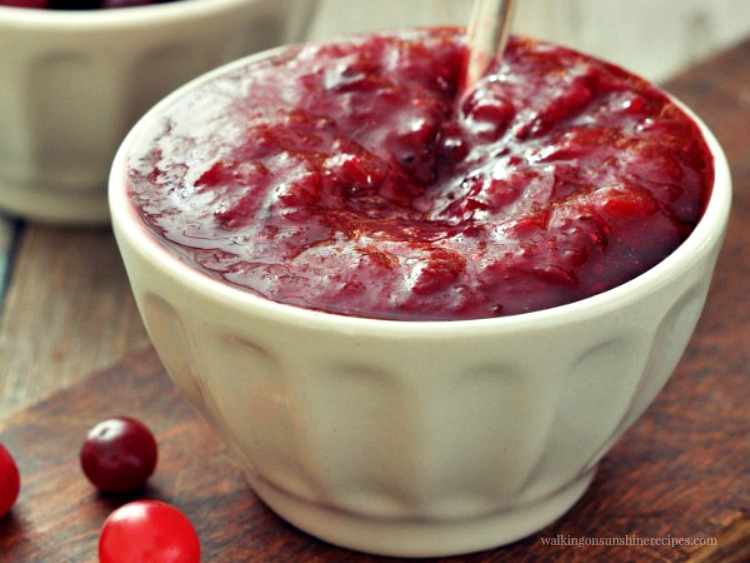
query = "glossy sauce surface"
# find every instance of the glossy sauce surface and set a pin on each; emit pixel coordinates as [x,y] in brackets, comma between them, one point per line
[351,178]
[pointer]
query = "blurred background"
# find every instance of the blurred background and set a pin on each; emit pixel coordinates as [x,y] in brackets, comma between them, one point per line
[654,38]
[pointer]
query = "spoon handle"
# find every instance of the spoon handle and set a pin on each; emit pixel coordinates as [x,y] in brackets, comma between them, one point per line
[487,35]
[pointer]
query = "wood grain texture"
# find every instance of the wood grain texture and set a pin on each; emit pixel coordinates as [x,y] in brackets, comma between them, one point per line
[68,310]
[7,238]
[682,472]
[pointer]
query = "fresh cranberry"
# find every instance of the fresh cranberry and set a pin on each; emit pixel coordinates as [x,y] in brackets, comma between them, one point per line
[119,455]
[148,530]
[10,481]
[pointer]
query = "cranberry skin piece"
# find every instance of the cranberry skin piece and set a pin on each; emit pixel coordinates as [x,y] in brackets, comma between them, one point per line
[148,530]
[119,455]
[10,481]
[488,112]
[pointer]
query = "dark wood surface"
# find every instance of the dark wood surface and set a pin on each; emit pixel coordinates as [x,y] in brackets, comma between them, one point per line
[68,310]
[681,473]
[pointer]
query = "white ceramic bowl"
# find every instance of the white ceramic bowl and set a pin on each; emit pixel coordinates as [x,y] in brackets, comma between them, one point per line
[73,84]
[417,438]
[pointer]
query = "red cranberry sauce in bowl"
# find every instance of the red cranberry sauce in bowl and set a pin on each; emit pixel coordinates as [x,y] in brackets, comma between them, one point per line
[353,178]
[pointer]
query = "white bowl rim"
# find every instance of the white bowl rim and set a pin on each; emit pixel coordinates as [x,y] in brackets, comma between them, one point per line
[708,233]
[80,20]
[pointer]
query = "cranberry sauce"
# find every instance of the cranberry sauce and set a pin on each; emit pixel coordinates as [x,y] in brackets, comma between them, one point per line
[351,178]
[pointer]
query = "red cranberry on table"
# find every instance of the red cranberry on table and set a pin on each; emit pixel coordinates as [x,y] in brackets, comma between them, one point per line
[119,455]
[10,481]
[148,530]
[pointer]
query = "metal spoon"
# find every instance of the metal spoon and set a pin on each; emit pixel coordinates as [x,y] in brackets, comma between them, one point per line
[486,35]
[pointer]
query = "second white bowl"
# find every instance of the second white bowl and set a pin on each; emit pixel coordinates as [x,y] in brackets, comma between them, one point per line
[73,83]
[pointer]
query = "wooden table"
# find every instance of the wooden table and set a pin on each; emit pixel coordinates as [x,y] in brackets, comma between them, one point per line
[683,471]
